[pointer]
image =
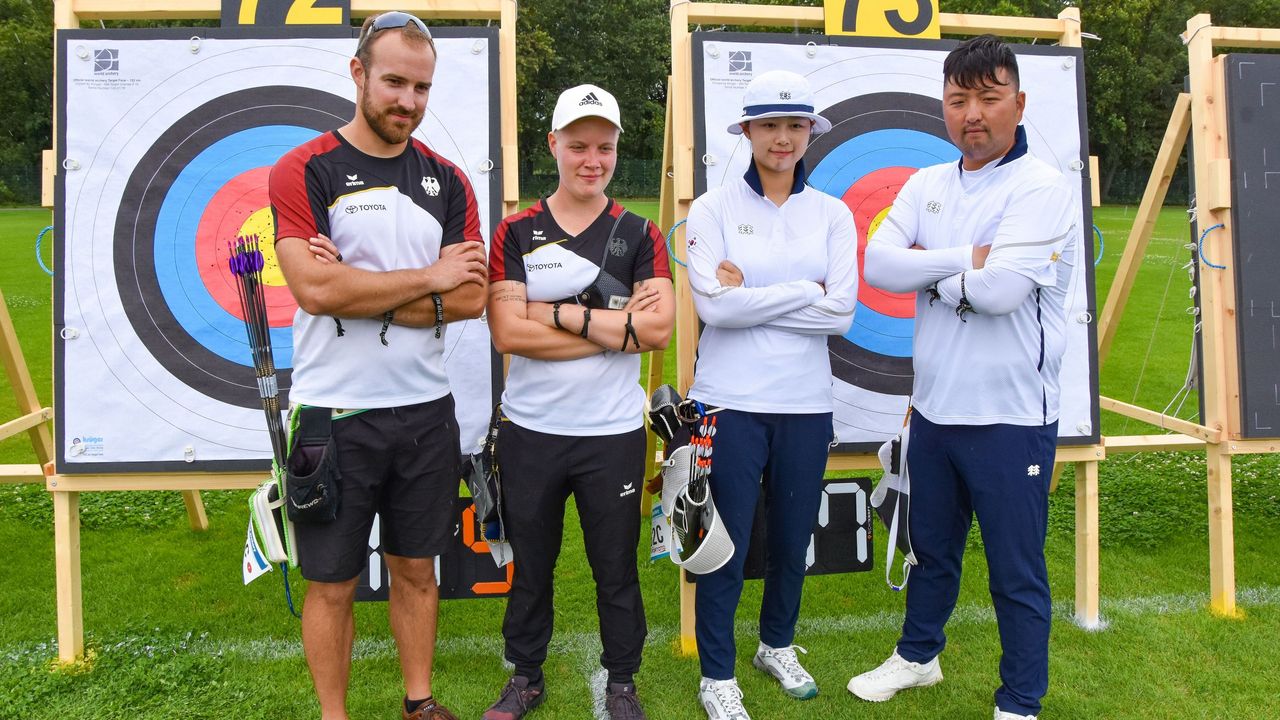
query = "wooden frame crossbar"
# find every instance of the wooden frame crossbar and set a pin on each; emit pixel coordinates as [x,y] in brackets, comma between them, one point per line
[66,489]
[678,194]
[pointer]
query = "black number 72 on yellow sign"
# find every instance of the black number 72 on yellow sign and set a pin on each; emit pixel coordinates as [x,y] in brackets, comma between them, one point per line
[276,13]
[883,18]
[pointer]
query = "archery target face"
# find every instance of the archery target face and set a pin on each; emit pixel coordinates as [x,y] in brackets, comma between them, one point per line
[167,150]
[884,103]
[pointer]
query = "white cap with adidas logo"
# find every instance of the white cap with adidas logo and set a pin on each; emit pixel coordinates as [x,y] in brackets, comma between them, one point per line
[585,101]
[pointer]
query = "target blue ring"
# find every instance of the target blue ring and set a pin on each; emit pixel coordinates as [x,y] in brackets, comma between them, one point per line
[866,153]
[174,246]
[838,171]
[880,333]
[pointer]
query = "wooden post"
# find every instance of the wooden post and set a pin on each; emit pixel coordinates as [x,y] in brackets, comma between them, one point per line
[66,545]
[1144,224]
[24,390]
[1087,565]
[507,93]
[1220,392]
[680,138]
[195,510]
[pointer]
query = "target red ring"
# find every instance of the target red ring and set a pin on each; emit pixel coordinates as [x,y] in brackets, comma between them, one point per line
[226,216]
[867,198]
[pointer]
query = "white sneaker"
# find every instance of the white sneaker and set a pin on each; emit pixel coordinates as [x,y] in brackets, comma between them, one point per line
[722,699]
[893,675]
[1002,715]
[783,664]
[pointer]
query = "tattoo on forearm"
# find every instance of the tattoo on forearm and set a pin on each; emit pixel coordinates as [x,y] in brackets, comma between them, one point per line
[511,297]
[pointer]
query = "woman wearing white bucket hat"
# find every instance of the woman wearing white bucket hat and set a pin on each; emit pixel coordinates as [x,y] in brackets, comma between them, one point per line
[773,269]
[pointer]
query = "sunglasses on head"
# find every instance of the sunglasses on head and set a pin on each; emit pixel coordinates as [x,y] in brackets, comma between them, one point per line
[390,21]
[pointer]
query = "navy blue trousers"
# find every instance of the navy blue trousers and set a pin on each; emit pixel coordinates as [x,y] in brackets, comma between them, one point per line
[785,455]
[1000,473]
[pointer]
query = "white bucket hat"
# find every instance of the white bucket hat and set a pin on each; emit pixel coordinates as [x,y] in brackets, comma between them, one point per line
[585,101]
[779,93]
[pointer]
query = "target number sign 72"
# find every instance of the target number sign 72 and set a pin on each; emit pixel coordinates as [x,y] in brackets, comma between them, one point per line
[883,18]
[275,13]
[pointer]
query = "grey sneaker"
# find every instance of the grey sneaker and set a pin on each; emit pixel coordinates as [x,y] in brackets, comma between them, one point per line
[621,703]
[894,674]
[517,698]
[784,665]
[722,700]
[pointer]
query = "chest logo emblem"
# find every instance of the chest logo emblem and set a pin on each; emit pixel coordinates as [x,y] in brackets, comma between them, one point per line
[431,186]
[617,247]
[934,207]
[746,230]
[354,180]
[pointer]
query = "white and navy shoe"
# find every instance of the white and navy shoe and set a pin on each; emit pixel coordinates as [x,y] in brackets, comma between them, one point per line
[894,674]
[784,666]
[722,699]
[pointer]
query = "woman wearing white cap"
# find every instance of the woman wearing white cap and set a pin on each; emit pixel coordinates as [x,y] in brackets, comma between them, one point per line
[773,269]
[578,288]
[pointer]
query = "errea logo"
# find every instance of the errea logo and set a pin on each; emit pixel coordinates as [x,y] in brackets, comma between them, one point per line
[431,186]
[354,180]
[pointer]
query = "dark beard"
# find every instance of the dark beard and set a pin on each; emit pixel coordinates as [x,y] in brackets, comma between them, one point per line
[384,128]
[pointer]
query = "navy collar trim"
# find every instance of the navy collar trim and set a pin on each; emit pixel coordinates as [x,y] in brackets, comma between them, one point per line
[1018,150]
[752,177]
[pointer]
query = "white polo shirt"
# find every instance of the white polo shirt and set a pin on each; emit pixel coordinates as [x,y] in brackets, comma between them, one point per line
[383,214]
[764,347]
[1000,363]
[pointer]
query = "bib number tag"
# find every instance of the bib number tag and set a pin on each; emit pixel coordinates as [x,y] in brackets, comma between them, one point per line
[660,537]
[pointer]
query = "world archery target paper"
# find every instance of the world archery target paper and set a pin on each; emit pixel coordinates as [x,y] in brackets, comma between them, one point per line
[883,98]
[166,143]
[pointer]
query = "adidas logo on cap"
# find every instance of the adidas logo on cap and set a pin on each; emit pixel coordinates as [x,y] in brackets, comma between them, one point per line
[591,99]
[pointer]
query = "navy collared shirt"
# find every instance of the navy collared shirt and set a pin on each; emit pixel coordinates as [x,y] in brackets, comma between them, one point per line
[752,176]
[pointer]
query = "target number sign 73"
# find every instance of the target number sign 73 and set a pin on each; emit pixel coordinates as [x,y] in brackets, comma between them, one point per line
[883,18]
[276,13]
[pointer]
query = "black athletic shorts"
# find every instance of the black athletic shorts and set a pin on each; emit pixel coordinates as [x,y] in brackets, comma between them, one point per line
[402,463]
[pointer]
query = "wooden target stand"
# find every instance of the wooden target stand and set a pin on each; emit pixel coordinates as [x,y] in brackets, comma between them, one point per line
[1202,115]
[677,193]
[66,489]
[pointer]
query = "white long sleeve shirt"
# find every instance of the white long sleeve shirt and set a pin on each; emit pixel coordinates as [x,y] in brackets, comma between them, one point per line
[1000,363]
[764,344]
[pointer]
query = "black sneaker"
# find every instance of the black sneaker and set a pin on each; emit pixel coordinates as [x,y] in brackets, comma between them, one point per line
[622,704]
[517,698]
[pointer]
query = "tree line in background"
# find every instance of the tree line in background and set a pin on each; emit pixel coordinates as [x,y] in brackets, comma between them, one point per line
[1133,73]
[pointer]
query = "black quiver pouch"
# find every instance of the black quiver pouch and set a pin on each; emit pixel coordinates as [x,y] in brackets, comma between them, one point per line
[312,474]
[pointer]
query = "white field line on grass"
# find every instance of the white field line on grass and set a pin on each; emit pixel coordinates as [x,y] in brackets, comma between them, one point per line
[584,647]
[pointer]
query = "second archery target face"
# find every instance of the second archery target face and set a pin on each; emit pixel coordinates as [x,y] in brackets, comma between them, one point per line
[166,152]
[883,99]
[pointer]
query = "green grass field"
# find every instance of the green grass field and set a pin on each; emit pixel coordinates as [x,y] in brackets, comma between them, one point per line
[173,633]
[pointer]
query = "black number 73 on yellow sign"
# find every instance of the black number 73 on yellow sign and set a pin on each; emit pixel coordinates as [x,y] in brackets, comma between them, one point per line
[274,13]
[883,18]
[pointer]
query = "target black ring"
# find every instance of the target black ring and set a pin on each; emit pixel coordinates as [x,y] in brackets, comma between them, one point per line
[851,118]
[166,339]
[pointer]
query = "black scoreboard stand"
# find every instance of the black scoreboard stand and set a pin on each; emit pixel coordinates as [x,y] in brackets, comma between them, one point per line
[466,570]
